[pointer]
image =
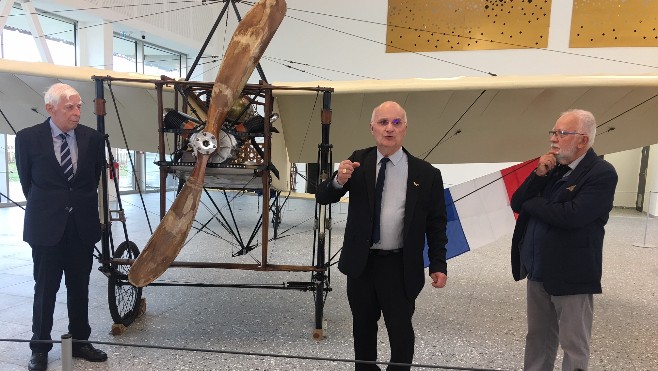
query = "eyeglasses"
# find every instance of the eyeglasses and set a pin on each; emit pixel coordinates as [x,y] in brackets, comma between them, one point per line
[562,133]
[396,122]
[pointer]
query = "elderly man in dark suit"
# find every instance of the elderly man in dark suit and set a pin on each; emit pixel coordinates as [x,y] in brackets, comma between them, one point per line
[396,201]
[558,242]
[59,163]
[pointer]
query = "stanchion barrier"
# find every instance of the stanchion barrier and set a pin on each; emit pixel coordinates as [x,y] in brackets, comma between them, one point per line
[67,352]
[232,352]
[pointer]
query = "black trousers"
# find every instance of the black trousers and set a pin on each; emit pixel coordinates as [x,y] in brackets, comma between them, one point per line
[73,258]
[380,290]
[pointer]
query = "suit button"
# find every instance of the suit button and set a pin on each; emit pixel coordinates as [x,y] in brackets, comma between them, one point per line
[70,189]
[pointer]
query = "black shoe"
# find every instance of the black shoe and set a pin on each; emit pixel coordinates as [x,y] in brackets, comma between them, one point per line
[88,352]
[38,362]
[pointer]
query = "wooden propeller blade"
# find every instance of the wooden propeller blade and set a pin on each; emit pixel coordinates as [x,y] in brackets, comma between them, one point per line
[247,45]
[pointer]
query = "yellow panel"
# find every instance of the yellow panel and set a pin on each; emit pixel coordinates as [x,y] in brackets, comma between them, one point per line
[441,25]
[611,23]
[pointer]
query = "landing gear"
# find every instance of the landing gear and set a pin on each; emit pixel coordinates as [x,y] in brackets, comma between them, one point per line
[125,299]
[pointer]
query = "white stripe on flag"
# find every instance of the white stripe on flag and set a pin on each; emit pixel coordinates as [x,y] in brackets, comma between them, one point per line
[485,214]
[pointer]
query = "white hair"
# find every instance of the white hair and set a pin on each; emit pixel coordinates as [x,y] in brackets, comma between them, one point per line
[56,91]
[587,123]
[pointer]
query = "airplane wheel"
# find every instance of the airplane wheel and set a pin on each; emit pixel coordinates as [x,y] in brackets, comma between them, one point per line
[276,221]
[124,298]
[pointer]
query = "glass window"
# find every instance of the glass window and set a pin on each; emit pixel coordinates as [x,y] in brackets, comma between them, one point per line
[126,177]
[129,53]
[124,54]
[152,178]
[159,61]
[18,43]
[15,192]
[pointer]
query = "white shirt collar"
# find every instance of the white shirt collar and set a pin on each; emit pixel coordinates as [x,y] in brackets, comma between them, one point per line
[575,162]
[395,157]
[56,131]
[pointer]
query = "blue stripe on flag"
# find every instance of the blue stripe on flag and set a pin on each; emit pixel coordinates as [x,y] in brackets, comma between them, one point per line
[457,243]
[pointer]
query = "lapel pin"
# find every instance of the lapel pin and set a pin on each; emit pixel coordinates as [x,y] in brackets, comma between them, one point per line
[416,184]
[571,188]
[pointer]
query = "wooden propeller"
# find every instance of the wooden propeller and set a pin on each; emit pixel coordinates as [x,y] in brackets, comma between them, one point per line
[247,45]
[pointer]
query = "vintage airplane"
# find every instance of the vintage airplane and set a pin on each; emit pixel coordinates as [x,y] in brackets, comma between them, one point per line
[456,120]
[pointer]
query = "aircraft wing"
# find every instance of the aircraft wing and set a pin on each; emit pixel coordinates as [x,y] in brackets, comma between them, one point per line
[22,85]
[476,119]
[465,119]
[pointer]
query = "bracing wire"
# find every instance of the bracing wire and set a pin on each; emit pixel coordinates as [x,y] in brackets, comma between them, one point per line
[455,124]
[132,163]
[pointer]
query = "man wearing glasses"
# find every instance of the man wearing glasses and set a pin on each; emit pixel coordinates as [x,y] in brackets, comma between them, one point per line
[558,242]
[395,201]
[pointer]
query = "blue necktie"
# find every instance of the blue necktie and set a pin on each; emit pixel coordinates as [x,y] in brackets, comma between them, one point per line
[379,189]
[65,157]
[559,172]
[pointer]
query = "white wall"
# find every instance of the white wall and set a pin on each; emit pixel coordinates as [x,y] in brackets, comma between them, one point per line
[627,164]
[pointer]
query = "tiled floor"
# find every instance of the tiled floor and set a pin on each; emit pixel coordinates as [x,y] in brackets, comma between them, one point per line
[478,321]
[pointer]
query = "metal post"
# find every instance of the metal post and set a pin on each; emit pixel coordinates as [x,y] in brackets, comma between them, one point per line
[67,352]
[646,226]
[104,213]
[161,153]
[267,161]
[324,227]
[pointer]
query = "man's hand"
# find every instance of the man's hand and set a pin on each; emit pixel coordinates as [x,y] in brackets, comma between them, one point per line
[345,170]
[546,163]
[439,279]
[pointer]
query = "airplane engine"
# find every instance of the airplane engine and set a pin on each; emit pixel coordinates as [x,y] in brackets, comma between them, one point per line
[226,148]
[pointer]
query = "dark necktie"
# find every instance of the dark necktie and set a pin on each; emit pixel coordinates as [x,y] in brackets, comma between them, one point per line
[379,189]
[562,170]
[559,173]
[65,157]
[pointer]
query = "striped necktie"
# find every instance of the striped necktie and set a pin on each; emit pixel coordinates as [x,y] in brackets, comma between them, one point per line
[65,157]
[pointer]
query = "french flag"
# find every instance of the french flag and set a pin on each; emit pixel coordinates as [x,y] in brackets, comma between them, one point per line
[479,210]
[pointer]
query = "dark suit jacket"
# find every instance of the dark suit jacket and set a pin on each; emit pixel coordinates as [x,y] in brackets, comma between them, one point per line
[49,194]
[425,214]
[575,214]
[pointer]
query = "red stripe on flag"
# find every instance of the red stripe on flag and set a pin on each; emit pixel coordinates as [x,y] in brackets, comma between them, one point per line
[514,176]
